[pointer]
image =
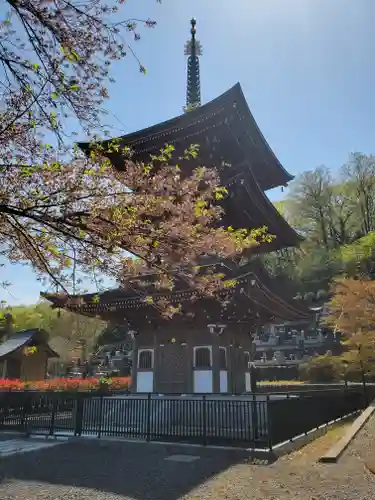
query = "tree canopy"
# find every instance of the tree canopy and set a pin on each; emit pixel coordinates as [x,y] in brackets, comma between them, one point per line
[56,61]
[61,211]
[352,309]
[335,214]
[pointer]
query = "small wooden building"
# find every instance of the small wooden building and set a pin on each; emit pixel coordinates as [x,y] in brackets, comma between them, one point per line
[24,355]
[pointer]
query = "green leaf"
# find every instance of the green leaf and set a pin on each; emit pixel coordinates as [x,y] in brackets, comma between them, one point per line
[230,283]
[220,193]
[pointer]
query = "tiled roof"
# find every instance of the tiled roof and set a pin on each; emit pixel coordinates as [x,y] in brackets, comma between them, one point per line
[217,117]
[21,339]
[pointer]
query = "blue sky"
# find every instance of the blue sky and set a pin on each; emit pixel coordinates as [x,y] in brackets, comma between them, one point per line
[307,68]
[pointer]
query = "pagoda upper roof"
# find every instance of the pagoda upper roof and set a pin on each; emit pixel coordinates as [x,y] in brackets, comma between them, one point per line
[225,130]
[231,141]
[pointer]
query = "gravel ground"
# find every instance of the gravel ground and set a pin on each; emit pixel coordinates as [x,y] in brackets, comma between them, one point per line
[296,477]
[100,470]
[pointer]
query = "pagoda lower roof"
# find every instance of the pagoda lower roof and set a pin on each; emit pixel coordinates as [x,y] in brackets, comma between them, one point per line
[254,294]
[225,131]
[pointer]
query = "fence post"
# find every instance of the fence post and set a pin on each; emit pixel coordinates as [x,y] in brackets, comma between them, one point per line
[5,408]
[79,415]
[148,430]
[100,415]
[269,423]
[25,411]
[204,419]
[254,414]
[23,414]
[2,409]
[52,423]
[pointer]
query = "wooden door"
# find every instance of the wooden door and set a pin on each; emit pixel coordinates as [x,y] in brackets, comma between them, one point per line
[171,370]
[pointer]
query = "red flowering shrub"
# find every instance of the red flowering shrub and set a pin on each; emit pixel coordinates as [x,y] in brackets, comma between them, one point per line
[66,384]
[11,385]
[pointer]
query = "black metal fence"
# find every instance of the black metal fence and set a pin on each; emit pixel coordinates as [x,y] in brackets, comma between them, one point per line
[292,416]
[258,421]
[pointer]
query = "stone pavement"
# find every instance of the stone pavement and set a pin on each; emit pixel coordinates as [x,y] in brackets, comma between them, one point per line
[104,470]
[11,445]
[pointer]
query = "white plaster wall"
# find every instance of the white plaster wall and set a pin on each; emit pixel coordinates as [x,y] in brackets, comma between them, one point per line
[145,381]
[247,382]
[203,381]
[223,381]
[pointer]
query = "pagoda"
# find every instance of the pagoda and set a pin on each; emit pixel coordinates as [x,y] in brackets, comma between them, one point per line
[208,348]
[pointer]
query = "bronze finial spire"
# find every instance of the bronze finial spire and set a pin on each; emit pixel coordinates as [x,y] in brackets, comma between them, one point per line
[193,49]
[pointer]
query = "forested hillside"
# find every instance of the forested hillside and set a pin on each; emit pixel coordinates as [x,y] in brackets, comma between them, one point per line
[68,332]
[335,213]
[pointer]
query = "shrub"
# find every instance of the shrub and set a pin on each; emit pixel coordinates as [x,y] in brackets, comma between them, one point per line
[322,369]
[66,384]
[11,385]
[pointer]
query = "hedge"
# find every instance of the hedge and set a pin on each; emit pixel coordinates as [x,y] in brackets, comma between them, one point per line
[66,384]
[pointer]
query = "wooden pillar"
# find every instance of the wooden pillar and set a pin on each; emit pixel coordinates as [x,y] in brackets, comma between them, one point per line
[217,333]
[215,365]
[134,366]
[4,369]
[230,366]
[190,367]
[156,347]
[45,367]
